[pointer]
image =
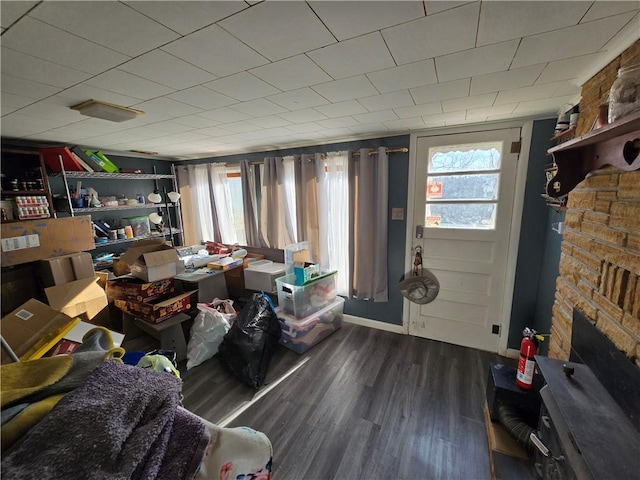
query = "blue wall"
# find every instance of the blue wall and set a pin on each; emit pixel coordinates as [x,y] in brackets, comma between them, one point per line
[539,247]
[391,311]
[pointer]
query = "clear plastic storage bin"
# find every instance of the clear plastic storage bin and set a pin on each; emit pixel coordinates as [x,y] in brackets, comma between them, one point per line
[301,335]
[303,300]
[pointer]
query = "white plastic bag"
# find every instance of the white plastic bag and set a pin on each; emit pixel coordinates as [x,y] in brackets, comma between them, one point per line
[209,328]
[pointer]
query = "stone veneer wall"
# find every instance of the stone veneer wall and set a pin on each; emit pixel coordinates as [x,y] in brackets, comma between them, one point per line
[600,260]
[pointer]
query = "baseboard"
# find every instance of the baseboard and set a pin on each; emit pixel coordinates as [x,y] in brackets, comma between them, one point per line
[513,353]
[366,322]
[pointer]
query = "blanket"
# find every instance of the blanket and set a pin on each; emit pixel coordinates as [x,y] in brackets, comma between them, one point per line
[122,423]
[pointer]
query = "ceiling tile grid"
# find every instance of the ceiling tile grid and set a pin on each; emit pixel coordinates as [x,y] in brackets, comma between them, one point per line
[220,77]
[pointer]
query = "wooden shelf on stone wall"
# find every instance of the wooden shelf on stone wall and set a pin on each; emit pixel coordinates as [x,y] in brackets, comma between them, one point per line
[616,144]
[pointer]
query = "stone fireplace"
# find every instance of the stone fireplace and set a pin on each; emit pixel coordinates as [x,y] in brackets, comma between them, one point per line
[600,260]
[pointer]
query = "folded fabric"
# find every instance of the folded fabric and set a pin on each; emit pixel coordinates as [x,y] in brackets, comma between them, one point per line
[120,424]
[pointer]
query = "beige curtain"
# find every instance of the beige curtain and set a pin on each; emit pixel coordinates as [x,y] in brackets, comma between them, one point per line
[274,225]
[308,228]
[249,207]
[369,198]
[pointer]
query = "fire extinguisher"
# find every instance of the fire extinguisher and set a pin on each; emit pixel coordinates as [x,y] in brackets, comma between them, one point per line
[526,363]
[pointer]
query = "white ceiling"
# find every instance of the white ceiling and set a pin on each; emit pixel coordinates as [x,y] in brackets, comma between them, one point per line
[224,77]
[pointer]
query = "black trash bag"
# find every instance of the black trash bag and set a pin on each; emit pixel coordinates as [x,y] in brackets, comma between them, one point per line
[248,346]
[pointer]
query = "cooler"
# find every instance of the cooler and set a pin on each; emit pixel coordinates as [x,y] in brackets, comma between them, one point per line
[303,300]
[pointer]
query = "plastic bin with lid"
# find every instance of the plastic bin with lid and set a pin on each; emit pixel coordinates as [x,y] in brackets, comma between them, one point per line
[301,335]
[303,300]
[261,275]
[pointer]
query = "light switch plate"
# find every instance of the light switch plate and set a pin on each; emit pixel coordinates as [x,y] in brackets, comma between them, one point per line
[397,214]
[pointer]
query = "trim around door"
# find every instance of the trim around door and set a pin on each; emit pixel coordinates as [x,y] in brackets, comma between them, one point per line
[516,216]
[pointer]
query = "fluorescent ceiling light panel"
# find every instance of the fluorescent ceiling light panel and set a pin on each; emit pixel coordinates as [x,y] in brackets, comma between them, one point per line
[106,111]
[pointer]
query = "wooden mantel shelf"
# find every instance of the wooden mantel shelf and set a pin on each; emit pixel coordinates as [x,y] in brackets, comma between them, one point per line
[616,144]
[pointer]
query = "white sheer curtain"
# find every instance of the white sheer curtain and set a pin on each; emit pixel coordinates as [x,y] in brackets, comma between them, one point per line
[196,204]
[289,183]
[222,202]
[333,205]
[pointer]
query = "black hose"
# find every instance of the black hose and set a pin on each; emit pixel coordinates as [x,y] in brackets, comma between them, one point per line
[511,420]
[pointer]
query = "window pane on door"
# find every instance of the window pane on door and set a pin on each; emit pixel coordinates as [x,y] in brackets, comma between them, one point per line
[461,215]
[465,158]
[482,186]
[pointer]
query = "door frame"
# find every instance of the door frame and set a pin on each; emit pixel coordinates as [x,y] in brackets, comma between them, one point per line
[526,127]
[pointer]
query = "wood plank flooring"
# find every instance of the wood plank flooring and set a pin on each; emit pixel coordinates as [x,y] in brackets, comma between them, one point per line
[367,404]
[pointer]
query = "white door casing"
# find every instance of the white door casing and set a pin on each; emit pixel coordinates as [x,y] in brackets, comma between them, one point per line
[474,263]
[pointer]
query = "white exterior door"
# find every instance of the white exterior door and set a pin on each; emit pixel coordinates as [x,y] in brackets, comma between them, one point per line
[464,196]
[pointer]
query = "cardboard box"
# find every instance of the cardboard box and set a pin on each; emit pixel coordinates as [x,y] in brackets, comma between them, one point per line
[80,297]
[159,309]
[120,268]
[131,288]
[32,240]
[152,260]
[32,329]
[66,268]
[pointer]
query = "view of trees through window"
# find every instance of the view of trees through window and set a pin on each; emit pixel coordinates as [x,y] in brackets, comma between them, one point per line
[462,186]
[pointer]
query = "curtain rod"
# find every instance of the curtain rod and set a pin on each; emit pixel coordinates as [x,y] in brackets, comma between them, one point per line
[356,154]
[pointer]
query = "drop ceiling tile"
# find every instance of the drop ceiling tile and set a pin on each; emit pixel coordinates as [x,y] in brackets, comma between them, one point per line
[195,121]
[341,109]
[83,92]
[548,105]
[240,127]
[419,110]
[441,91]
[347,89]
[214,132]
[12,11]
[271,27]
[303,116]
[405,76]
[160,67]
[493,82]
[431,36]
[170,126]
[266,133]
[494,110]
[57,46]
[352,19]
[90,127]
[387,101]
[127,84]
[26,88]
[445,118]
[186,16]
[298,99]
[167,107]
[26,66]
[292,73]
[353,57]
[369,128]
[225,115]
[229,56]
[466,103]
[270,121]
[477,61]
[338,122]
[16,101]
[568,68]
[606,9]
[500,21]
[202,97]
[414,123]
[433,7]
[304,127]
[375,117]
[29,124]
[119,27]
[258,108]
[568,42]
[55,108]
[242,86]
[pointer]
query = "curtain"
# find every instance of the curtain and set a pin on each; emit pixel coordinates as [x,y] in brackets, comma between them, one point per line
[306,185]
[196,203]
[334,217]
[276,222]
[249,205]
[222,203]
[369,179]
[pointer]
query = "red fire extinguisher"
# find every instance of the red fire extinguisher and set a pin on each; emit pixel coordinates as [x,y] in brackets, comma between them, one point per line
[526,363]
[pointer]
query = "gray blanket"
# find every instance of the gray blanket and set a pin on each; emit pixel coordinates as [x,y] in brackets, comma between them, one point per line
[122,423]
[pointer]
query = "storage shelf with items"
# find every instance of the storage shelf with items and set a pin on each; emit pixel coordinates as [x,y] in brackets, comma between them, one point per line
[25,186]
[121,215]
[616,144]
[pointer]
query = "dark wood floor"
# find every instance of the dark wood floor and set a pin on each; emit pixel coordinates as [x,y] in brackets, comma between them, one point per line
[367,404]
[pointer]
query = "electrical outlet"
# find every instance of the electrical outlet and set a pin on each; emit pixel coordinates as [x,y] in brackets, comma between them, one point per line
[397,214]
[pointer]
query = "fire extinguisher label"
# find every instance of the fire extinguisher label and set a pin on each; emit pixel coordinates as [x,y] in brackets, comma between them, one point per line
[525,370]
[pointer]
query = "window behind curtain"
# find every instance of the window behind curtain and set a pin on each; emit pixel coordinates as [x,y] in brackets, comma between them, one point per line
[235,192]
